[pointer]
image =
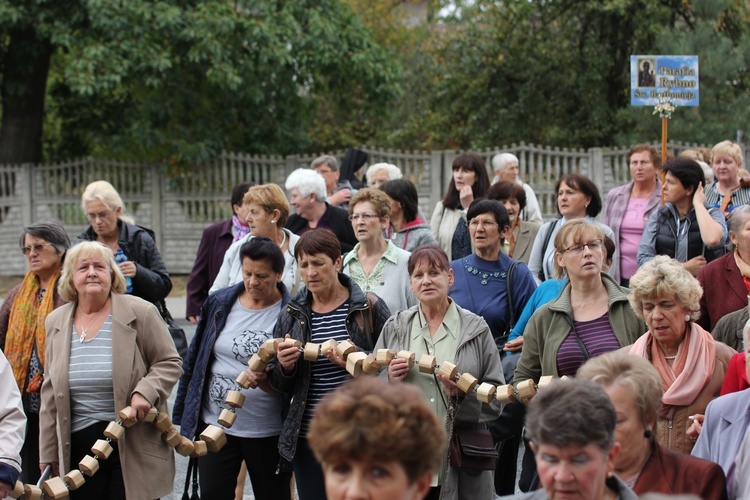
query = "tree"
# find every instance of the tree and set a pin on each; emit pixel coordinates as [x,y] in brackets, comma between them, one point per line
[180,79]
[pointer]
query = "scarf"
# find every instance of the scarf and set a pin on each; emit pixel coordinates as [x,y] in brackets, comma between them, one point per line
[26,326]
[240,229]
[510,241]
[744,268]
[697,352]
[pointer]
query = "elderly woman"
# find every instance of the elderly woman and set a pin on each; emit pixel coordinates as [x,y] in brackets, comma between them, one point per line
[86,383]
[726,280]
[635,388]
[690,363]
[684,228]
[235,322]
[331,307]
[521,234]
[590,317]
[144,267]
[22,333]
[628,208]
[577,198]
[12,428]
[266,212]
[406,229]
[448,223]
[380,173]
[438,326]
[506,164]
[728,192]
[365,434]
[483,281]
[307,194]
[571,425]
[376,264]
[339,191]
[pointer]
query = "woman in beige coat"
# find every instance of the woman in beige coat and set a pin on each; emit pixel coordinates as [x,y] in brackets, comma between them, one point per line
[106,351]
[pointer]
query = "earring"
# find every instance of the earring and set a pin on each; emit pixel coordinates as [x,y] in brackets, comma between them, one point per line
[273,221]
[687,318]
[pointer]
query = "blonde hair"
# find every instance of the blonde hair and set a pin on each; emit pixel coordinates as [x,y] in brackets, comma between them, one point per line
[81,251]
[578,230]
[378,198]
[662,276]
[727,148]
[270,197]
[106,193]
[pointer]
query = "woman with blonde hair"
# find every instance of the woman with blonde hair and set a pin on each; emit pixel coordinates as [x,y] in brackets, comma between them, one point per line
[728,192]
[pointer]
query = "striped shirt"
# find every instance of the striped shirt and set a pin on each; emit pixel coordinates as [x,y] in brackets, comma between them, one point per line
[598,338]
[92,396]
[739,197]
[325,376]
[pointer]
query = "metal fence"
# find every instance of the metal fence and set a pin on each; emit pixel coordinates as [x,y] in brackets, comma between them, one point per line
[178,203]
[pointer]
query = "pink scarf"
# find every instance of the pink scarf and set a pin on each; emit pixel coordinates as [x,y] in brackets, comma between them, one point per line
[692,369]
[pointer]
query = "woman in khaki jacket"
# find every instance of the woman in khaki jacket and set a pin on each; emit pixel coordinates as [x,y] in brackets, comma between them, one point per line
[106,351]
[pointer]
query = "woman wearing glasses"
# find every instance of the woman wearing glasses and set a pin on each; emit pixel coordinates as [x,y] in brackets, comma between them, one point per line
[375,263]
[109,225]
[22,331]
[591,316]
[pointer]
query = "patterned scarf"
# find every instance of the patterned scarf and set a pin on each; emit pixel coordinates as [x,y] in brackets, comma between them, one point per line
[240,229]
[26,326]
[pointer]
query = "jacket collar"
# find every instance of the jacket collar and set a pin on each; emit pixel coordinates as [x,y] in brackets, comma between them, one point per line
[615,292]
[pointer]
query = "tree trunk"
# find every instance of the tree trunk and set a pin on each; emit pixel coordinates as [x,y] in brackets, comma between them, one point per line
[24,86]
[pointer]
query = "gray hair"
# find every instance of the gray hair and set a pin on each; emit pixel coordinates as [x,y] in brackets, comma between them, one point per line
[393,171]
[572,412]
[500,161]
[329,160]
[307,182]
[737,218]
[106,193]
[50,231]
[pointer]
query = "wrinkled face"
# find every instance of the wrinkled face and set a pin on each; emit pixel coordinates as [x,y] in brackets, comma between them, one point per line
[259,278]
[512,169]
[318,271]
[366,223]
[102,219]
[665,317]
[513,208]
[92,276]
[583,258]
[630,428]
[642,167]
[464,177]
[673,189]
[331,176]
[571,202]
[741,238]
[354,479]
[430,284]
[726,169]
[574,472]
[485,233]
[41,256]
[259,221]
[379,178]
[302,204]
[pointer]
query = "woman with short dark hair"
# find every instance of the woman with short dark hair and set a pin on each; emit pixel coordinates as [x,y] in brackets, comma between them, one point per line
[406,229]
[518,242]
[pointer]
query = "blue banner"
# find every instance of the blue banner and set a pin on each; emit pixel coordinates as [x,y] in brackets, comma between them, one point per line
[653,78]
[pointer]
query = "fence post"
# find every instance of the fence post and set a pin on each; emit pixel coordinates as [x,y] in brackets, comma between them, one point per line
[436,180]
[157,210]
[596,169]
[27,194]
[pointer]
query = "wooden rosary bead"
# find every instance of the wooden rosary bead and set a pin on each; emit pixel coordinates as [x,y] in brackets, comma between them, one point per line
[354,363]
[326,346]
[312,351]
[345,348]
[200,449]
[55,488]
[526,389]
[427,364]
[235,399]
[163,422]
[32,492]
[186,447]
[370,365]
[505,394]
[227,418]
[407,356]
[486,392]
[74,479]
[272,345]
[151,415]
[89,465]
[124,415]
[265,354]
[243,380]
[101,449]
[114,431]
[544,381]
[214,437]
[467,382]
[17,490]
[384,356]
[448,370]
[256,364]
[295,343]
[171,437]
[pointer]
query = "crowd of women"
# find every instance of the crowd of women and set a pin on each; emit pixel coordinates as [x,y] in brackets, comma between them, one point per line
[484,284]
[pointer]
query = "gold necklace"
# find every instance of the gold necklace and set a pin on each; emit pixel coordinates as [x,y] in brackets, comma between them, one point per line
[82,337]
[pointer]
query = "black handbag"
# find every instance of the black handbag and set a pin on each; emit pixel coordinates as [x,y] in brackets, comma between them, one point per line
[192,469]
[178,334]
[473,449]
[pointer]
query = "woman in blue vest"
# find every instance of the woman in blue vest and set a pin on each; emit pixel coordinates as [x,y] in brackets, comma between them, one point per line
[684,228]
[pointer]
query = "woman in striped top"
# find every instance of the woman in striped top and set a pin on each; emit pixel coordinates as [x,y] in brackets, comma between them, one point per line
[331,307]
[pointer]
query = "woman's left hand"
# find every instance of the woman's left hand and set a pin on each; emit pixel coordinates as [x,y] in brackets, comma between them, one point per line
[336,359]
[139,407]
[699,197]
[128,268]
[255,379]
[696,427]
[449,386]
[467,196]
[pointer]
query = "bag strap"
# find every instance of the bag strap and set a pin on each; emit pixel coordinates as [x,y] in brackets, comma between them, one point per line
[581,345]
[547,237]
[186,492]
[509,287]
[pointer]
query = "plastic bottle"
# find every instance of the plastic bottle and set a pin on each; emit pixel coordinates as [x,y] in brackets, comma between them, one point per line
[121,257]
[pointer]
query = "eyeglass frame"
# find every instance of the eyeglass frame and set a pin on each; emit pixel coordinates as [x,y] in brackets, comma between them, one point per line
[365,216]
[36,247]
[101,216]
[577,249]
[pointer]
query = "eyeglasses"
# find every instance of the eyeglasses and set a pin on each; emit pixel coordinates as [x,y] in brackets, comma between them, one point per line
[100,216]
[323,172]
[487,224]
[578,249]
[37,247]
[367,217]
